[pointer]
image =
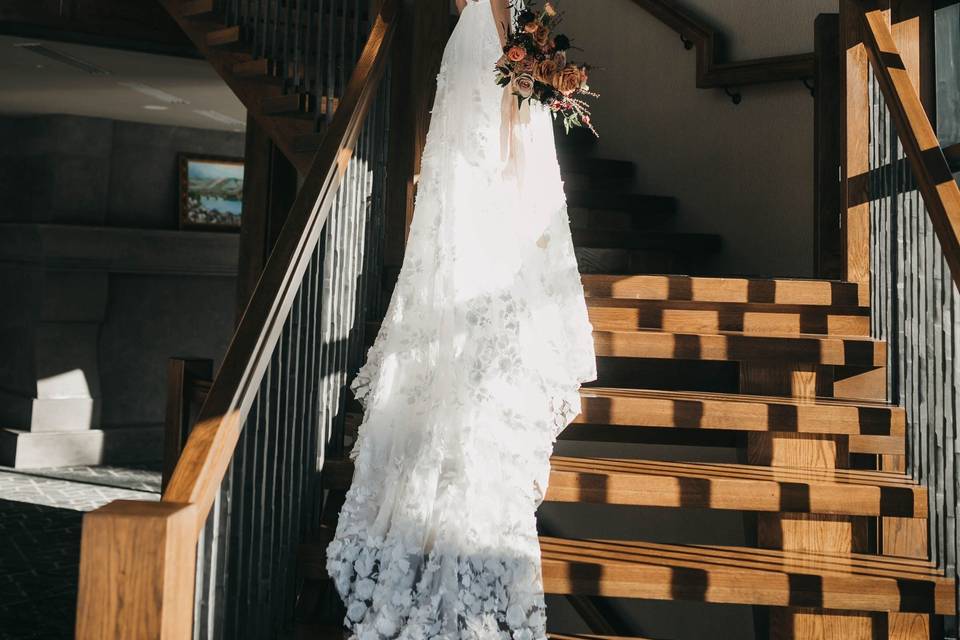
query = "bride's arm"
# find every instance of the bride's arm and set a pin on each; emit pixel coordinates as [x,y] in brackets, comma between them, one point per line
[501,15]
[460,5]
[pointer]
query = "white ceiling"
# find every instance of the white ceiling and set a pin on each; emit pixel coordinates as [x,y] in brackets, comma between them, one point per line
[188,88]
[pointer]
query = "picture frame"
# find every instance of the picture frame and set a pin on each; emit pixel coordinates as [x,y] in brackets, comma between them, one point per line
[211,192]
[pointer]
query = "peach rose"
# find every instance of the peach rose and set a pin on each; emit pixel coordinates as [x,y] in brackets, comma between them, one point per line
[546,69]
[531,27]
[549,10]
[523,85]
[516,54]
[541,36]
[568,80]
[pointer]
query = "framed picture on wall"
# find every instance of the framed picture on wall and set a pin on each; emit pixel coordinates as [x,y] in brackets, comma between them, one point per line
[211,192]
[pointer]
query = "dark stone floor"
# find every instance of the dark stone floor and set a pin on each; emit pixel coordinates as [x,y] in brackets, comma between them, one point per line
[39,557]
[40,519]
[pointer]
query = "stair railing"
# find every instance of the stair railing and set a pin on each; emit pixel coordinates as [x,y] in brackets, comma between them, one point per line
[306,45]
[901,230]
[215,558]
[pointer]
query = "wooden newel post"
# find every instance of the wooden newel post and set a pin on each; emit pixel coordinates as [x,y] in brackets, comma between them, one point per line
[137,572]
[855,157]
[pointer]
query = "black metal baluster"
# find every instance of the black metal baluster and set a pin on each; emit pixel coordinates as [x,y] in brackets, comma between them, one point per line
[331,61]
[289,505]
[318,85]
[297,53]
[949,417]
[342,57]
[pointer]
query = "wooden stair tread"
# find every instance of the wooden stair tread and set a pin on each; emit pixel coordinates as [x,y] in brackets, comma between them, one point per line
[734,486]
[740,575]
[740,290]
[740,412]
[193,8]
[625,314]
[651,483]
[738,346]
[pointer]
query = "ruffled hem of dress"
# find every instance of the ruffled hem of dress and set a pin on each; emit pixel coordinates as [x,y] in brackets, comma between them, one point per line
[387,597]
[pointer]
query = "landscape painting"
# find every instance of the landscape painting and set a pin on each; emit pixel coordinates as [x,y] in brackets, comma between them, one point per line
[211,192]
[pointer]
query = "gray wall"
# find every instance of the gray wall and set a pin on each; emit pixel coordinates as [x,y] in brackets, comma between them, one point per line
[149,319]
[744,172]
[168,292]
[74,170]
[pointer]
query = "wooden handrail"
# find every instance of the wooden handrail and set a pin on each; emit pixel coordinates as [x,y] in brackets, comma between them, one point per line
[920,143]
[203,464]
[713,74]
[137,566]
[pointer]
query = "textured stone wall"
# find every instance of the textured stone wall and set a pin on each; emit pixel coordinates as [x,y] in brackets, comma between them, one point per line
[102,286]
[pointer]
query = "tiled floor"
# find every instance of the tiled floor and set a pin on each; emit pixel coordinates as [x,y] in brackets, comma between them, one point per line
[40,516]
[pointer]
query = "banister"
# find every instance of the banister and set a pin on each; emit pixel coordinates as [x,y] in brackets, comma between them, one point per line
[138,559]
[714,74]
[205,458]
[920,143]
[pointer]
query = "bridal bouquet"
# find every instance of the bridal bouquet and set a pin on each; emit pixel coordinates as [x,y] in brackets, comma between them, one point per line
[535,66]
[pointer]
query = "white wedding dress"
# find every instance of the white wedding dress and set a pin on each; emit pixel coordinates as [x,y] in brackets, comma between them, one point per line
[476,370]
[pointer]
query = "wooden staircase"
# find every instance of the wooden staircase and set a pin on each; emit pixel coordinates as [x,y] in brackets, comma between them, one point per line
[819,454]
[286,113]
[814,471]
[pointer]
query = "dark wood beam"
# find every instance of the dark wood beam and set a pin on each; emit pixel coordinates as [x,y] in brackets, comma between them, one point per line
[828,114]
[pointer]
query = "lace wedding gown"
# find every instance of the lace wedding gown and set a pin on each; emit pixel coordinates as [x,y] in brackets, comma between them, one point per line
[475,371]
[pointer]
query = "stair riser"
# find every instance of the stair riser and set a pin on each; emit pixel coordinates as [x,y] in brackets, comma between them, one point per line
[591,260]
[226,37]
[689,244]
[294,105]
[704,438]
[261,70]
[609,200]
[580,181]
[668,375]
[662,317]
[581,218]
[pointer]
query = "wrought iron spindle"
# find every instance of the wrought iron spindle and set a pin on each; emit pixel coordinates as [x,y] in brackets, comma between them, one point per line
[915,307]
